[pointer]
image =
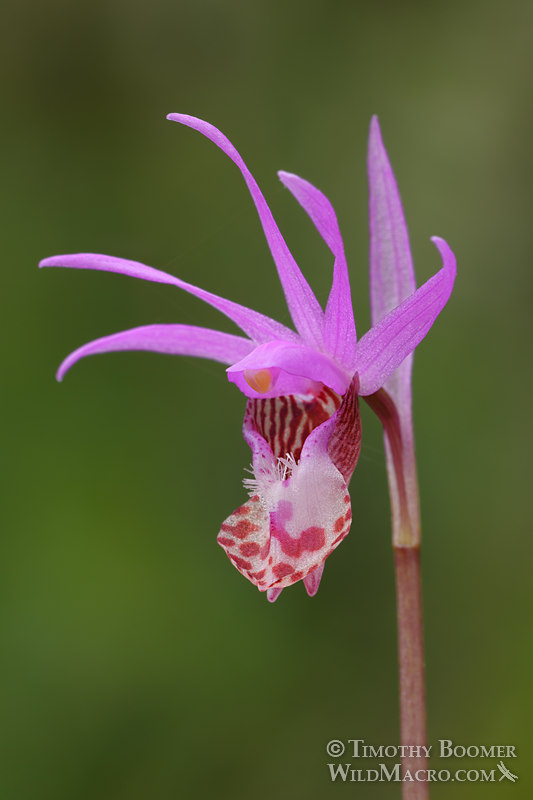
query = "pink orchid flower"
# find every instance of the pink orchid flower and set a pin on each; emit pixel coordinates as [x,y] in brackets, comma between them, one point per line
[302,386]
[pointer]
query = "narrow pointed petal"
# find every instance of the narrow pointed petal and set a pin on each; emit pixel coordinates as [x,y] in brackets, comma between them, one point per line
[273,594]
[339,325]
[392,277]
[388,343]
[286,368]
[177,340]
[256,325]
[392,280]
[312,581]
[303,305]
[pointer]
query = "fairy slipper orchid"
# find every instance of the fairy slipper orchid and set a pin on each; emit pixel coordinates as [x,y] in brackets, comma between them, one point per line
[302,386]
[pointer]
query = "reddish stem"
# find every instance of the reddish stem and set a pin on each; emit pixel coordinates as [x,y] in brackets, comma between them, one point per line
[409,611]
[383,406]
[411,667]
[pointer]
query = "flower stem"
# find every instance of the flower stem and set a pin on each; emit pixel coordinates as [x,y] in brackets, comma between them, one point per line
[411,667]
[406,544]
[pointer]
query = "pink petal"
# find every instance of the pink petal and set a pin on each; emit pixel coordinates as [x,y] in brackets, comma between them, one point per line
[303,305]
[293,368]
[392,280]
[273,594]
[392,277]
[256,325]
[339,325]
[177,340]
[388,343]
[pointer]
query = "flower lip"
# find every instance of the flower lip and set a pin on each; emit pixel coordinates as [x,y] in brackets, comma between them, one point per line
[299,513]
[281,368]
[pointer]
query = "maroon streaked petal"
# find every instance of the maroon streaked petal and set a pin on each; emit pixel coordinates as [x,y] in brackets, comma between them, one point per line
[256,325]
[280,425]
[345,443]
[176,340]
[303,305]
[284,423]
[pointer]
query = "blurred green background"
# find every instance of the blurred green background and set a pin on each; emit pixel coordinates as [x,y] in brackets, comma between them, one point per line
[136,663]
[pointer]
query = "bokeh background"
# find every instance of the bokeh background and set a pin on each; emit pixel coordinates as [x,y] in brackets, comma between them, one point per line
[136,663]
